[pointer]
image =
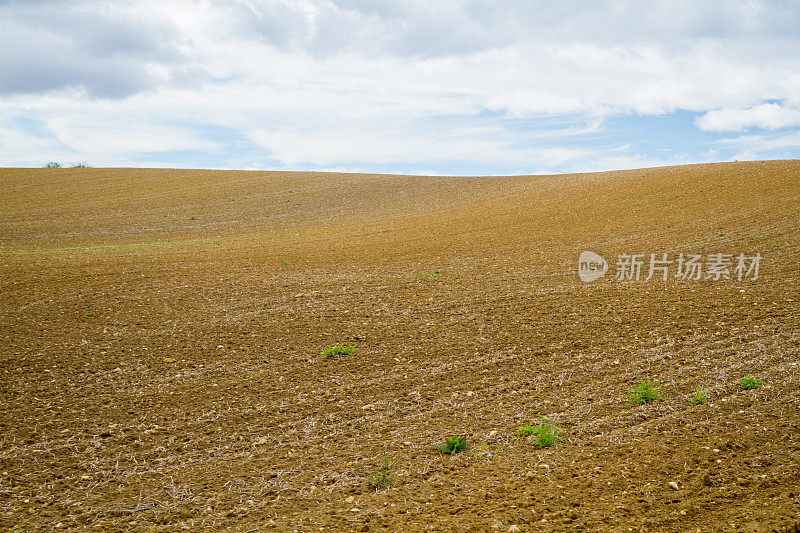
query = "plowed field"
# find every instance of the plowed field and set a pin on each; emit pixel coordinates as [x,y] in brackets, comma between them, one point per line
[161,338]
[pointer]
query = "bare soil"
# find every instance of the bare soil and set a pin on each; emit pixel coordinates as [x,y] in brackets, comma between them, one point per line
[161,330]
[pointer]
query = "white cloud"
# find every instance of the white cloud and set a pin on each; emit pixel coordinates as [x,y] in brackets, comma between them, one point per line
[763,116]
[352,83]
[753,146]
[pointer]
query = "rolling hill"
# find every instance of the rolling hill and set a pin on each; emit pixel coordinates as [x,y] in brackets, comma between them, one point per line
[163,335]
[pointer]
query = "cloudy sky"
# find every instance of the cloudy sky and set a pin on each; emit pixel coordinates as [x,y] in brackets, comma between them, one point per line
[411,86]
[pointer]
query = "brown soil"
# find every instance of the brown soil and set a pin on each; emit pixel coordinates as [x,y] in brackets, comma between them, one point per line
[163,372]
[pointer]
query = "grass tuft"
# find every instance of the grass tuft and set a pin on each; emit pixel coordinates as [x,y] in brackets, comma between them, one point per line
[645,391]
[525,431]
[546,433]
[700,397]
[383,475]
[749,382]
[338,349]
[453,445]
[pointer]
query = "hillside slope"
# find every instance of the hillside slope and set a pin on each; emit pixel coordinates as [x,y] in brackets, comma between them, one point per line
[162,334]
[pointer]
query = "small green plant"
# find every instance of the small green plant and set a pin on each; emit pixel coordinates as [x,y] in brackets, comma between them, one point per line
[338,349]
[546,433]
[453,445]
[700,397]
[192,218]
[53,164]
[749,382]
[645,391]
[525,431]
[383,475]
[429,275]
